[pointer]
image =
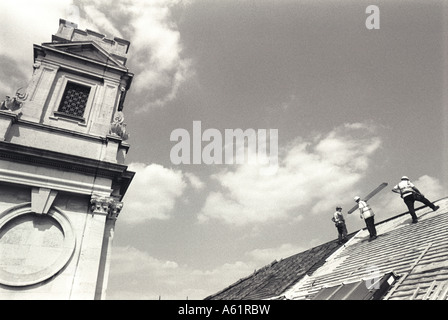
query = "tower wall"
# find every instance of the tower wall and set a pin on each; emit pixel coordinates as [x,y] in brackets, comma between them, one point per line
[62,168]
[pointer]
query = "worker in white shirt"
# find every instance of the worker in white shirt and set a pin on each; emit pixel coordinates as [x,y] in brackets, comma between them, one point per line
[367,214]
[409,193]
[339,222]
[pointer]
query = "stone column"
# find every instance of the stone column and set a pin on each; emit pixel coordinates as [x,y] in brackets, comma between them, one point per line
[94,256]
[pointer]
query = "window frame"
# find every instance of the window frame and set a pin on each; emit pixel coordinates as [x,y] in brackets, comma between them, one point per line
[59,115]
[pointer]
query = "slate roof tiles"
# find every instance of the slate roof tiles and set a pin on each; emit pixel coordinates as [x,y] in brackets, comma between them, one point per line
[275,278]
[416,253]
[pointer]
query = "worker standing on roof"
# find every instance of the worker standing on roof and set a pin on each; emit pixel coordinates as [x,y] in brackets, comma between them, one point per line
[368,216]
[339,222]
[409,193]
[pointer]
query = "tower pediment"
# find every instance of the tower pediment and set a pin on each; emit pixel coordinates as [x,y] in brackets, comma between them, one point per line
[89,50]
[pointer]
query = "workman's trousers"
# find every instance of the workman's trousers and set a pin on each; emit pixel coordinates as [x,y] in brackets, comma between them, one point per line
[370,223]
[342,231]
[409,201]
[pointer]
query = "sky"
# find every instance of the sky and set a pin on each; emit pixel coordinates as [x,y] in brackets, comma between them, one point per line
[353,107]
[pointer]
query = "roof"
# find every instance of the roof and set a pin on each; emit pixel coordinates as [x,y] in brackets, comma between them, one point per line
[275,278]
[416,253]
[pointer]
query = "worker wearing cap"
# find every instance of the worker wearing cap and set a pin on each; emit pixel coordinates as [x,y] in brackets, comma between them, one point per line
[368,216]
[409,193]
[339,222]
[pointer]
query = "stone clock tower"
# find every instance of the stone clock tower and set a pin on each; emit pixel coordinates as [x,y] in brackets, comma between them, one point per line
[62,172]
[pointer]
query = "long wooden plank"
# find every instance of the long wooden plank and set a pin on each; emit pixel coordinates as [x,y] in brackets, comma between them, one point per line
[370,195]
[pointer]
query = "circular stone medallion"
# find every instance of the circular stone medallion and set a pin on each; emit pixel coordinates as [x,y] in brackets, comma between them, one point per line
[33,247]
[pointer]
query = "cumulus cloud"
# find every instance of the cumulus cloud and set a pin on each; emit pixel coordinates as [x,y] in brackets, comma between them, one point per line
[155,55]
[98,19]
[23,23]
[313,173]
[136,275]
[156,50]
[431,187]
[195,182]
[152,194]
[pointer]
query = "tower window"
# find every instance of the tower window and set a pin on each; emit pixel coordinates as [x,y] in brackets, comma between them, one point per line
[74,101]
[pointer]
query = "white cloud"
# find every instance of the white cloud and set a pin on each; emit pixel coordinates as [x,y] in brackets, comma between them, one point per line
[24,23]
[156,50]
[155,53]
[99,20]
[136,275]
[152,193]
[316,174]
[195,182]
[431,187]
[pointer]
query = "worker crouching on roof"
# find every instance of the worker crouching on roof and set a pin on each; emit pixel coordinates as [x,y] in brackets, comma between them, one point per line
[339,222]
[368,216]
[409,193]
